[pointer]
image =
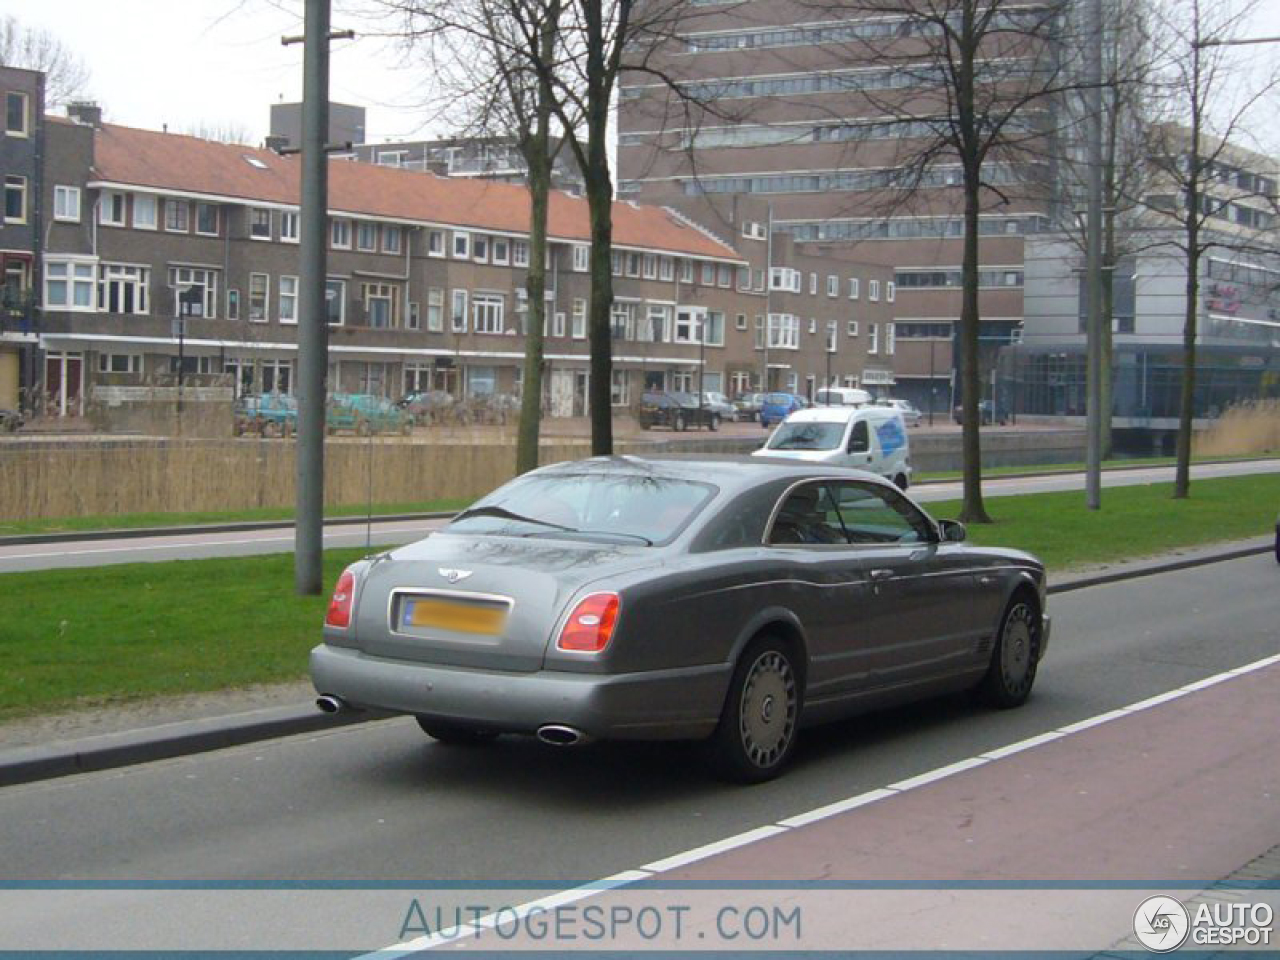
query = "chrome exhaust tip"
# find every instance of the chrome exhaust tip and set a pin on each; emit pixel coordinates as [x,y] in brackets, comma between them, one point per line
[328,703]
[559,735]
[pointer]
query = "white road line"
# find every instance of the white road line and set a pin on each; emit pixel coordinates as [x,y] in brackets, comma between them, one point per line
[812,816]
[188,544]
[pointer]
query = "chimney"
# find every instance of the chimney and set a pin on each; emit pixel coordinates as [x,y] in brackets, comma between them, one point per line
[86,112]
[276,143]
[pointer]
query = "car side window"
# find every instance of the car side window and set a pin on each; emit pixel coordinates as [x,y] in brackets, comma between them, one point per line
[860,438]
[872,514]
[808,515]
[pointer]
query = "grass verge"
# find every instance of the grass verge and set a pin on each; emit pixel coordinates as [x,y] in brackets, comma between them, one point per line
[88,636]
[135,521]
[1107,465]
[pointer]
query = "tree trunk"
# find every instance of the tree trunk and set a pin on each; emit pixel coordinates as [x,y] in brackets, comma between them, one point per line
[973,510]
[1106,343]
[599,190]
[1182,472]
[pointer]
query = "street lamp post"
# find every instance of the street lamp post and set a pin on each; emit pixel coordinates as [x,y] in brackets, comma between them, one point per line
[933,387]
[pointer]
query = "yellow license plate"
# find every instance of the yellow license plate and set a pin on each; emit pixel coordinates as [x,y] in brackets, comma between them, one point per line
[457,617]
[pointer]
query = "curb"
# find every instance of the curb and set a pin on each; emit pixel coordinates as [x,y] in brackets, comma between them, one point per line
[31,764]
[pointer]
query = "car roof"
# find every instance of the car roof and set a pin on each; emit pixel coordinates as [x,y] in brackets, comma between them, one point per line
[840,414]
[729,472]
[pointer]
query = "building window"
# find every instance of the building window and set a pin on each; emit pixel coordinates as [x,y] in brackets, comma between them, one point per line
[207,219]
[520,253]
[277,376]
[621,321]
[289,226]
[435,310]
[890,339]
[260,224]
[379,305]
[853,288]
[724,275]
[461,246]
[666,269]
[68,284]
[417,377]
[486,312]
[123,289]
[708,274]
[458,312]
[581,258]
[144,211]
[873,336]
[620,388]
[833,336]
[233,304]
[688,321]
[740,322]
[617,262]
[340,234]
[177,215]
[480,249]
[195,292]
[813,284]
[890,291]
[853,328]
[16,123]
[111,209]
[785,278]
[656,328]
[686,271]
[833,286]
[288,299]
[558,324]
[713,328]
[682,381]
[744,278]
[335,302]
[366,236]
[259,295]
[501,251]
[784,331]
[119,363]
[873,290]
[650,266]
[412,318]
[813,326]
[579,328]
[66,204]
[435,243]
[390,238]
[481,381]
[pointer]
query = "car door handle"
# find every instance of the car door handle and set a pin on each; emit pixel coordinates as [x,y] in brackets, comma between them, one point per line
[883,573]
[986,581]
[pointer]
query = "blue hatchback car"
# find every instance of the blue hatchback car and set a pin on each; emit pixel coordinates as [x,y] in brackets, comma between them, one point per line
[776,407]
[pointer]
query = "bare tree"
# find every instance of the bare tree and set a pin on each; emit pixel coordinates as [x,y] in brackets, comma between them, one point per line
[219,131]
[66,76]
[976,84]
[1207,107]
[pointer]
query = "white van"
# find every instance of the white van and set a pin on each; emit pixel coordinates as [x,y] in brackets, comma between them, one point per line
[841,397]
[869,438]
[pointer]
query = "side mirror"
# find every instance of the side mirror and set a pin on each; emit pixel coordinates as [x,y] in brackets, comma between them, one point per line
[952,531]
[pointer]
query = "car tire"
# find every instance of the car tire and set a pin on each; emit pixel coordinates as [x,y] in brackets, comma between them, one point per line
[455,736]
[271,429]
[1015,656]
[644,425]
[678,423]
[901,481]
[761,714]
[715,422]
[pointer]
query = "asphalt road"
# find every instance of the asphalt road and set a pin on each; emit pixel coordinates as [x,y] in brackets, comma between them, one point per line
[241,543]
[379,804]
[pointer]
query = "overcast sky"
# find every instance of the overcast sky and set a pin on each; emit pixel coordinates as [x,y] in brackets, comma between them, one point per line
[220,63]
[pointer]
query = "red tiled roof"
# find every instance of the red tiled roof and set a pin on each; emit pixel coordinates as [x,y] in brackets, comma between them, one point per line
[167,161]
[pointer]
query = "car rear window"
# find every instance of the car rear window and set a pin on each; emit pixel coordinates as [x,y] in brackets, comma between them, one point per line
[621,507]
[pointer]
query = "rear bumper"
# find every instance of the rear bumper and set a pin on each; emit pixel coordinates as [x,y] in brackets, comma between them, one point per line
[655,705]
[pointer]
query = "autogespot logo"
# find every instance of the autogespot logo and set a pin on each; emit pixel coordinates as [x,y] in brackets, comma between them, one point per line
[1161,924]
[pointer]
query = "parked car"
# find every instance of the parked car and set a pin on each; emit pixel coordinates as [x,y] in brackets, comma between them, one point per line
[366,414]
[776,407]
[728,602]
[720,405]
[11,421]
[910,413]
[987,414]
[748,406]
[1277,539]
[676,410]
[426,406]
[841,397]
[266,414]
[869,438]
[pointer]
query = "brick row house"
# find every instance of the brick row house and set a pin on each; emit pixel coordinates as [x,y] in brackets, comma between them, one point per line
[21,146]
[426,274]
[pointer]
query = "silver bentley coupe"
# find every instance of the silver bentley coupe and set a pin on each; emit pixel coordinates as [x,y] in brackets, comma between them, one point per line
[724,601]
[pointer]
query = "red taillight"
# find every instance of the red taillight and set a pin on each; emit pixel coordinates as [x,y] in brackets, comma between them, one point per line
[590,627]
[339,614]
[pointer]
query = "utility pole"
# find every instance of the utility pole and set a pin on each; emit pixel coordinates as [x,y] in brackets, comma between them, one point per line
[313,328]
[1093,258]
[768,300]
